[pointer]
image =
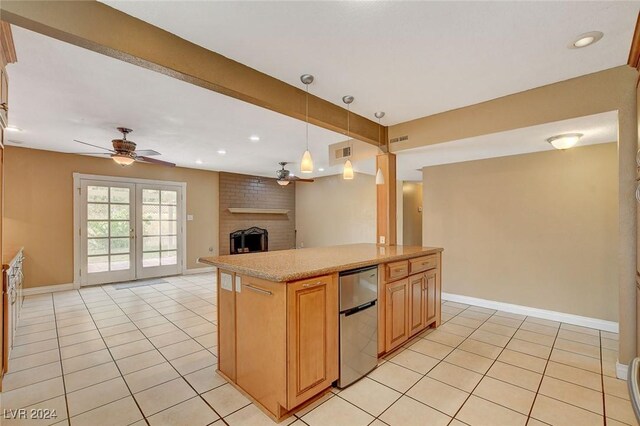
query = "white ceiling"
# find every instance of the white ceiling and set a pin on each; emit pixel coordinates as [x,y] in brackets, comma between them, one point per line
[410,59]
[598,128]
[60,92]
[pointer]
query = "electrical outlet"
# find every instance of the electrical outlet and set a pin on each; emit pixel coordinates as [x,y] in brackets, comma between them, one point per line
[382,239]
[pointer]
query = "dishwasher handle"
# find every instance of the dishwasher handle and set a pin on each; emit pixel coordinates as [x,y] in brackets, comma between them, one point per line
[357,309]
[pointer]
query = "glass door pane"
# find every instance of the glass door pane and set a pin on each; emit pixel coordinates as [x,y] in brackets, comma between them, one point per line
[159,230]
[107,226]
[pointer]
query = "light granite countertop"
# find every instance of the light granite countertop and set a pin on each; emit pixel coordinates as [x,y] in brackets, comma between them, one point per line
[297,264]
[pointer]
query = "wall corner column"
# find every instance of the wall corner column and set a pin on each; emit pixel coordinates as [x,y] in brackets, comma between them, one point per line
[386,203]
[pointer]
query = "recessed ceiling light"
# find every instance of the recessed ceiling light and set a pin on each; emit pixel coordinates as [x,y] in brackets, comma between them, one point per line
[198,161]
[565,141]
[222,152]
[321,169]
[586,39]
[13,129]
[254,138]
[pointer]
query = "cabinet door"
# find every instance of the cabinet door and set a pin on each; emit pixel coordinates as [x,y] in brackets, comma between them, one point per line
[417,303]
[261,339]
[396,314]
[431,299]
[312,314]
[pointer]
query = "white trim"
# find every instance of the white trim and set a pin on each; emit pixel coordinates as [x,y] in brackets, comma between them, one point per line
[622,370]
[199,270]
[47,289]
[128,179]
[596,323]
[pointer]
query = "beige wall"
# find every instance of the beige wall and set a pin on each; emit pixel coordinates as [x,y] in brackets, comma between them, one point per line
[333,211]
[39,208]
[246,191]
[537,230]
[412,214]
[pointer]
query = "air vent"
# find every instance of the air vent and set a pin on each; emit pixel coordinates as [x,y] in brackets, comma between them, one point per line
[343,152]
[399,139]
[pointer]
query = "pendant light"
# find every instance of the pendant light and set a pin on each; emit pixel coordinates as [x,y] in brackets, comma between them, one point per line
[306,165]
[379,175]
[347,173]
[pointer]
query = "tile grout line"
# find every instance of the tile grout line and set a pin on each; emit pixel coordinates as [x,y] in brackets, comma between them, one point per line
[543,374]
[604,401]
[116,365]
[64,385]
[169,362]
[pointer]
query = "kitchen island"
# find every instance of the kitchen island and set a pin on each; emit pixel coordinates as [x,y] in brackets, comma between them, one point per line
[278,315]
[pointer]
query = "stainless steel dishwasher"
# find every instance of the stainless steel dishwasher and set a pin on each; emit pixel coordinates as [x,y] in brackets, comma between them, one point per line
[358,324]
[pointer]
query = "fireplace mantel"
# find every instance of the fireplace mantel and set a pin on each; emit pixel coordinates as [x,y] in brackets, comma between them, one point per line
[243,210]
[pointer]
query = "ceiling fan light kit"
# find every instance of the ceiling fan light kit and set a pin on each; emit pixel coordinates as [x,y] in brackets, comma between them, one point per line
[306,165]
[284,176]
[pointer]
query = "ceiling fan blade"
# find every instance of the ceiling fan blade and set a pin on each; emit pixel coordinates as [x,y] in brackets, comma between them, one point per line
[297,179]
[90,153]
[95,146]
[155,161]
[146,152]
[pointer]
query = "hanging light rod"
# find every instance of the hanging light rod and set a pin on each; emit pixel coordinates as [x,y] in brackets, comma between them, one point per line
[379,175]
[306,164]
[347,172]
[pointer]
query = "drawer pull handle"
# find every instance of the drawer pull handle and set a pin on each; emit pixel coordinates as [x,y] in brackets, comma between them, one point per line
[401,269]
[258,290]
[308,285]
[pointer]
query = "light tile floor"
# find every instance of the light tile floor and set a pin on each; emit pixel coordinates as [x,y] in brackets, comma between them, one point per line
[146,355]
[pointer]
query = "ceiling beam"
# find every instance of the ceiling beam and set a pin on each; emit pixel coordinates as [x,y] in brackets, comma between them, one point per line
[98,27]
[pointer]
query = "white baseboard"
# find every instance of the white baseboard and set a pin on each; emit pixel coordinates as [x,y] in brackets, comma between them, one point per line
[535,312]
[199,270]
[46,289]
[622,370]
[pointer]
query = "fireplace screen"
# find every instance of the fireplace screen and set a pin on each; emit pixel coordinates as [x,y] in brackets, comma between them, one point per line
[249,240]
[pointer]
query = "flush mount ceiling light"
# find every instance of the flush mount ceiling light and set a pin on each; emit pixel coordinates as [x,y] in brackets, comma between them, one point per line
[306,165]
[321,169]
[347,173]
[586,39]
[254,138]
[222,152]
[379,174]
[198,161]
[565,141]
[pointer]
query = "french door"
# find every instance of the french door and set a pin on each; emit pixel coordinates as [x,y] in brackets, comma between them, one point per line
[129,231]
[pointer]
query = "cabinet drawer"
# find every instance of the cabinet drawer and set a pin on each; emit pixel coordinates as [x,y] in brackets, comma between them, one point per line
[396,270]
[423,263]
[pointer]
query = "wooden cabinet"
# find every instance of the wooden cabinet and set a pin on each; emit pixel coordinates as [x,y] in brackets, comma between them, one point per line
[261,341]
[417,303]
[312,336]
[280,339]
[430,297]
[409,305]
[396,313]
[4,97]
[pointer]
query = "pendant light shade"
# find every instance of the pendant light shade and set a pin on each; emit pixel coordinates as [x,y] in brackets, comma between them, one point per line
[306,164]
[347,173]
[283,182]
[379,177]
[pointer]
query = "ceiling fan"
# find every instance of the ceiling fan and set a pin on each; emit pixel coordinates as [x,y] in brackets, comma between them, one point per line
[284,176]
[124,151]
